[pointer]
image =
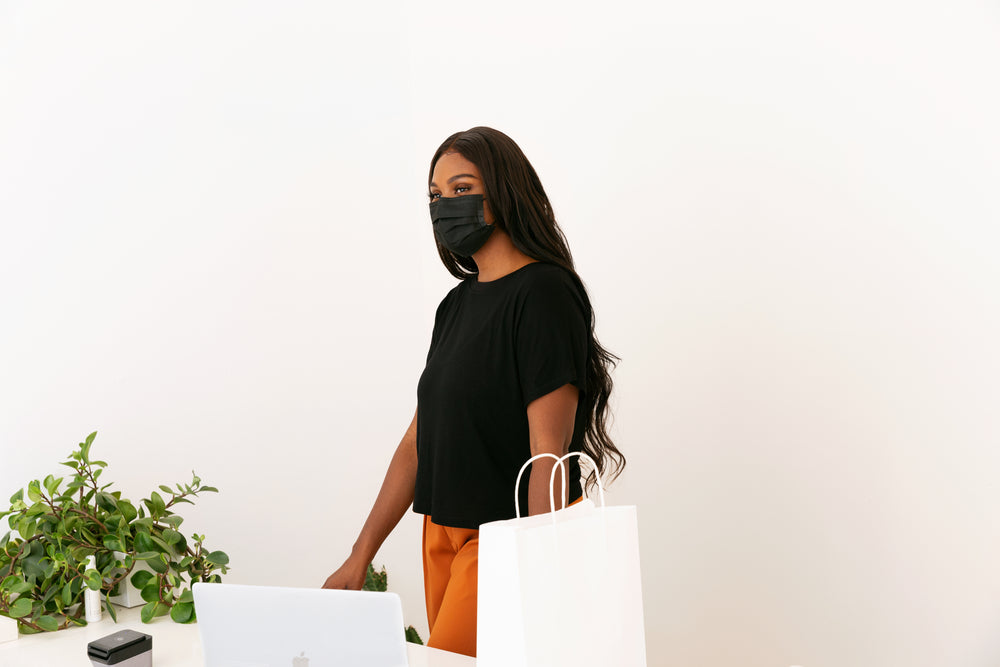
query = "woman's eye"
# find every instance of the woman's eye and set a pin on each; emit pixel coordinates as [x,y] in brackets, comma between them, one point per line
[462,188]
[434,195]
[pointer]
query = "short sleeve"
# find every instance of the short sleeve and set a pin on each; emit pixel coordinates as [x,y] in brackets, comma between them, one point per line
[439,317]
[551,337]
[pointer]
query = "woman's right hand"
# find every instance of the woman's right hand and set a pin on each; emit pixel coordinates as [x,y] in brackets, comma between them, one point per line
[349,576]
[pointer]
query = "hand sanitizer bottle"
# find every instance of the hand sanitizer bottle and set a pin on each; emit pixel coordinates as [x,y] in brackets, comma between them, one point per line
[92,599]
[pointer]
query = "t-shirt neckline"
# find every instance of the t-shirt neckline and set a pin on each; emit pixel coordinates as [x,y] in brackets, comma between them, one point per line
[476,286]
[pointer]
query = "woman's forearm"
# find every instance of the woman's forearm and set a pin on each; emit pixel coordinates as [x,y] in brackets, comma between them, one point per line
[550,424]
[538,487]
[394,498]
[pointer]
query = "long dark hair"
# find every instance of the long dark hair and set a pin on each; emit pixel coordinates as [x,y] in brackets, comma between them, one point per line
[521,208]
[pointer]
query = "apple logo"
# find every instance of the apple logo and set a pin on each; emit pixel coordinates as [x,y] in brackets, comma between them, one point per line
[301,660]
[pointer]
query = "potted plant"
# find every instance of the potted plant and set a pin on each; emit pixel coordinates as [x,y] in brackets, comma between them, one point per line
[43,572]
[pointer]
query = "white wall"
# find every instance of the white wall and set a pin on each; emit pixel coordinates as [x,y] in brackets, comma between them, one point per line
[215,252]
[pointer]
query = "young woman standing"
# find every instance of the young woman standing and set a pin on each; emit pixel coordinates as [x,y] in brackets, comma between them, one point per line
[513,370]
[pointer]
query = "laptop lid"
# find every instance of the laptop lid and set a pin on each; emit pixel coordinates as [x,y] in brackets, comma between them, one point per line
[272,626]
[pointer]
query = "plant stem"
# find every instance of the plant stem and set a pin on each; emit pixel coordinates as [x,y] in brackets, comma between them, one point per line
[78,542]
[89,516]
[181,495]
[20,550]
[90,473]
[29,624]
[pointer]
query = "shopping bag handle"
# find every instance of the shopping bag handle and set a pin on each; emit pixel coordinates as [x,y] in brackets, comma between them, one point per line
[552,479]
[517,484]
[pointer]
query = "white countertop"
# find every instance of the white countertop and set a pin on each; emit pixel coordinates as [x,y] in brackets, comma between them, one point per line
[174,645]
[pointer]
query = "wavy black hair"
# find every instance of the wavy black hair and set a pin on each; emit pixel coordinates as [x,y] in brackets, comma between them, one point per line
[521,208]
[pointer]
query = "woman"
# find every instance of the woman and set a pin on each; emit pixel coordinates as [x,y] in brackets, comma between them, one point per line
[513,370]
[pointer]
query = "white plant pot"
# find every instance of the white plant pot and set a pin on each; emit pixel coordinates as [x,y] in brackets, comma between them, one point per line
[8,629]
[129,596]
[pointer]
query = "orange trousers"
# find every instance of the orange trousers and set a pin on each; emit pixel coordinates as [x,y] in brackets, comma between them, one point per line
[451,568]
[451,584]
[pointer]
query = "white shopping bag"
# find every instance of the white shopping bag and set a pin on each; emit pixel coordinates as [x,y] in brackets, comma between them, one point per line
[561,588]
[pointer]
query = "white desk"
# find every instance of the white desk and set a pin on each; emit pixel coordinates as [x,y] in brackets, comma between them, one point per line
[174,645]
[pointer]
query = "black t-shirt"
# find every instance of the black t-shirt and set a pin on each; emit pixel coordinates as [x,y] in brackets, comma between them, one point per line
[496,347]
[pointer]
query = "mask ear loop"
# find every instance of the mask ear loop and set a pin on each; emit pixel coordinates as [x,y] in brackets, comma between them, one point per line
[517,485]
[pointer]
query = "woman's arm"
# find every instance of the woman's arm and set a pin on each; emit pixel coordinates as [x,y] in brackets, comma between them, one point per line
[550,426]
[394,498]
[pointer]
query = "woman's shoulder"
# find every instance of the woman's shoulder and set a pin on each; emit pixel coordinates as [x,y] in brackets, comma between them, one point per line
[450,298]
[545,275]
[540,274]
[546,284]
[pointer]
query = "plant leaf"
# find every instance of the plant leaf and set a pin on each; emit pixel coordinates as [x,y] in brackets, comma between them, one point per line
[111,610]
[412,636]
[93,579]
[158,503]
[174,539]
[20,608]
[218,558]
[127,510]
[182,612]
[158,565]
[47,623]
[144,542]
[107,502]
[151,610]
[147,611]
[21,587]
[161,543]
[141,578]
[375,581]
[150,592]
[67,594]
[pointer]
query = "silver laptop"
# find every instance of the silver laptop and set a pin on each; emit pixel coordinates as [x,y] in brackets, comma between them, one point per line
[270,626]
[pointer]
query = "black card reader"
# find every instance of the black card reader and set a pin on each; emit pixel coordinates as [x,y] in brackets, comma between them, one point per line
[126,648]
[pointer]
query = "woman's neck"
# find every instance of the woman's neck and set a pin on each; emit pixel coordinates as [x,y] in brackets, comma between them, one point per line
[498,257]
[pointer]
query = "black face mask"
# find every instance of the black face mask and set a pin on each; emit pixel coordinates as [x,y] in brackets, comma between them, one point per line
[460,224]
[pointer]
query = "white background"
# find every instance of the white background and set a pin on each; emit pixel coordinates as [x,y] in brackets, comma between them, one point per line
[215,251]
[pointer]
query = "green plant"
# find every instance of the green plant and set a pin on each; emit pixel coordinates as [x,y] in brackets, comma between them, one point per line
[379,581]
[43,572]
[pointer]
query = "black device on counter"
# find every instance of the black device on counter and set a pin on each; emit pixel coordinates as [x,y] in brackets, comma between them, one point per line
[126,648]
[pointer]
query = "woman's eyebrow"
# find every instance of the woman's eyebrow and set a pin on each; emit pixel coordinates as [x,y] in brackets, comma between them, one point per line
[454,178]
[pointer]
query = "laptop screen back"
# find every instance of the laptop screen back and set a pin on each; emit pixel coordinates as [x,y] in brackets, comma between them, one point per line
[270,626]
